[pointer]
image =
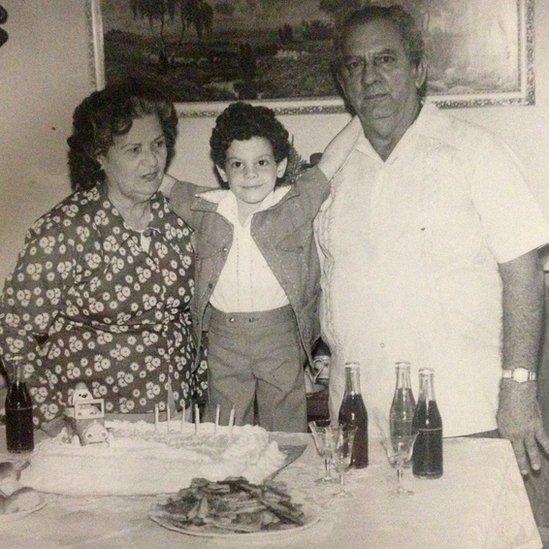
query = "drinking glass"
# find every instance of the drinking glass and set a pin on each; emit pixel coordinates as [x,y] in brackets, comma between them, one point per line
[342,453]
[399,452]
[325,436]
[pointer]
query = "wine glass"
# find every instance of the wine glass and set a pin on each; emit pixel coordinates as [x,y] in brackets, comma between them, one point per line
[399,452]
[325,436]
[342,453]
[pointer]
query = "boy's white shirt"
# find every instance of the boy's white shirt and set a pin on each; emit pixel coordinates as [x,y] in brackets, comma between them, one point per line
[246,283]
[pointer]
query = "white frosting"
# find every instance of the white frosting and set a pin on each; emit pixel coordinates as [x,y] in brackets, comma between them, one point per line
[140,460]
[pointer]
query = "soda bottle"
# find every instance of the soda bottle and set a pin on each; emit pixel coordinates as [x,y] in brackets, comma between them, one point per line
[19,428]
[427,454]
[403,406]
[353,412]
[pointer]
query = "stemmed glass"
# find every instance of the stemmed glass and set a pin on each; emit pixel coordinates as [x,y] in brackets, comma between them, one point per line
[342,453]
[323,435]
[399,452]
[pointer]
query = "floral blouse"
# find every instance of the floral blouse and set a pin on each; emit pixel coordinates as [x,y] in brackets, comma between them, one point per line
[87,303]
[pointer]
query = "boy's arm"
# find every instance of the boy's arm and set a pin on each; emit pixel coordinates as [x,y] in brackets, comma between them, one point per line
[314,183]
[314,187]
[341,146]
[180,195]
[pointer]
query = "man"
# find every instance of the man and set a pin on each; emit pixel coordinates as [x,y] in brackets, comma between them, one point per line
[429,244]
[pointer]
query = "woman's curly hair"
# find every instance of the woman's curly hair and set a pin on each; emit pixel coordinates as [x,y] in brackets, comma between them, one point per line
[110,112]
[242,121]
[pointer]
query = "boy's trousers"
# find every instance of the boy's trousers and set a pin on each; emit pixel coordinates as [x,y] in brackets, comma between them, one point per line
[257,356]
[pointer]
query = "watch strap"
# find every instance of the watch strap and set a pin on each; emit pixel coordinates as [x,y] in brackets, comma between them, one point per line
[519,374]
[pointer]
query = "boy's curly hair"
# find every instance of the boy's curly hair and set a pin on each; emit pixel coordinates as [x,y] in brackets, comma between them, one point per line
[243,121]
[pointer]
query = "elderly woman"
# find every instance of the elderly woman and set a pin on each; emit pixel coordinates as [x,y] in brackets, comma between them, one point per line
[101,290]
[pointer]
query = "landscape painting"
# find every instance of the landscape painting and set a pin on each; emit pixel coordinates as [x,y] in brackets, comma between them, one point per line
[205,53]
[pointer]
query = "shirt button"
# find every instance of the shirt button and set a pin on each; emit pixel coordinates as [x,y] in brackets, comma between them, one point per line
[210,285]
[225,250]
[231,319]
[382,345]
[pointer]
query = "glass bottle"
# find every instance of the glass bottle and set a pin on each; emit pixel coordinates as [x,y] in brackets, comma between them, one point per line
[427,454]
[353,412]
[403,406]
[19,427]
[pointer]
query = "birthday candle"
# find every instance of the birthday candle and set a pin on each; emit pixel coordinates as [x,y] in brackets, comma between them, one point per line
[155,418]
[196,419]
[231,419]
[217,410]
[182,415]
[168,413]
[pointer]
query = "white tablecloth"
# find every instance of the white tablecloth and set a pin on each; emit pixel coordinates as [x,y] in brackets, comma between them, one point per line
[480,502]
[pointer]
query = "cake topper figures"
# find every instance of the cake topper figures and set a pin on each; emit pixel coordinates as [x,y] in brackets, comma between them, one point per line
[86,417]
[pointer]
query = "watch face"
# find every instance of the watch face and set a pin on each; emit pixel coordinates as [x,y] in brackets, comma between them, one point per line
[521,374]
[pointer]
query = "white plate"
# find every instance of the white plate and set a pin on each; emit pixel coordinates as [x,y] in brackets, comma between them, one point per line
[8,517]
[312,516]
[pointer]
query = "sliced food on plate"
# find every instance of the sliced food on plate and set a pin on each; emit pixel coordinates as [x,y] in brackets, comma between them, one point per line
[231,505]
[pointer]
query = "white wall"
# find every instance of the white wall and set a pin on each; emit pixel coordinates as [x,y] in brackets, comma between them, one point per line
[45,73]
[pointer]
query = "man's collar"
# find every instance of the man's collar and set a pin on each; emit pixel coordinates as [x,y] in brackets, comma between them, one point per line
[430,123]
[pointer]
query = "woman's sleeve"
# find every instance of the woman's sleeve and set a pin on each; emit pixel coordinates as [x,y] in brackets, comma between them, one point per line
[34,292]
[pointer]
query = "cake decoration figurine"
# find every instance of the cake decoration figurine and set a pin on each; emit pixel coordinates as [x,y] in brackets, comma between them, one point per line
[85,418]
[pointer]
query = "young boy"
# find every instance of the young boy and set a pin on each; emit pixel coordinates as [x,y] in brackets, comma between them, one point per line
[257,270]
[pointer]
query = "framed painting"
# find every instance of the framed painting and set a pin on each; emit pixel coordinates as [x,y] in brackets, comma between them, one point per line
[205,53]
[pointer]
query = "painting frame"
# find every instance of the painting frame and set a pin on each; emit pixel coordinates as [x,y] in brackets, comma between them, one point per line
[524,95]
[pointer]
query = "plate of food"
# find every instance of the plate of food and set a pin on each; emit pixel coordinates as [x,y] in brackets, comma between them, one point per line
[233,508]
[16,501]
[20,503]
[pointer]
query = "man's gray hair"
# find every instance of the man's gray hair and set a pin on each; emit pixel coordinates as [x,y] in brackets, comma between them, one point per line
[405,23]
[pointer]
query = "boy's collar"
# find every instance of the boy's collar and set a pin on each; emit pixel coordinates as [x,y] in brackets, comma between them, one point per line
[215,196]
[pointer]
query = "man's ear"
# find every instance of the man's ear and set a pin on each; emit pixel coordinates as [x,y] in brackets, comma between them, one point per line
[222,173]
[281,168]
[420,74]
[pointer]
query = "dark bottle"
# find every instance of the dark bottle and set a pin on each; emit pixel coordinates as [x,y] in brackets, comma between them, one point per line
[427,454]
[403,406]
[19,428]
[353,412]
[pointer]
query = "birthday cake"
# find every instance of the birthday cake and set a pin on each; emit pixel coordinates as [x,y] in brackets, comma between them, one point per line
[141,458]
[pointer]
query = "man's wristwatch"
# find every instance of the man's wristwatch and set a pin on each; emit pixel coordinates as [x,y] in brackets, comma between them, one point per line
[520,375]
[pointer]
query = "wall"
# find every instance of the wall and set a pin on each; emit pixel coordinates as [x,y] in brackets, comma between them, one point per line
[45,74]
[525,129]
[44,68]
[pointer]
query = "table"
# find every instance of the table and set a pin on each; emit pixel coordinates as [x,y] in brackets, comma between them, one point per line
[480,502]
